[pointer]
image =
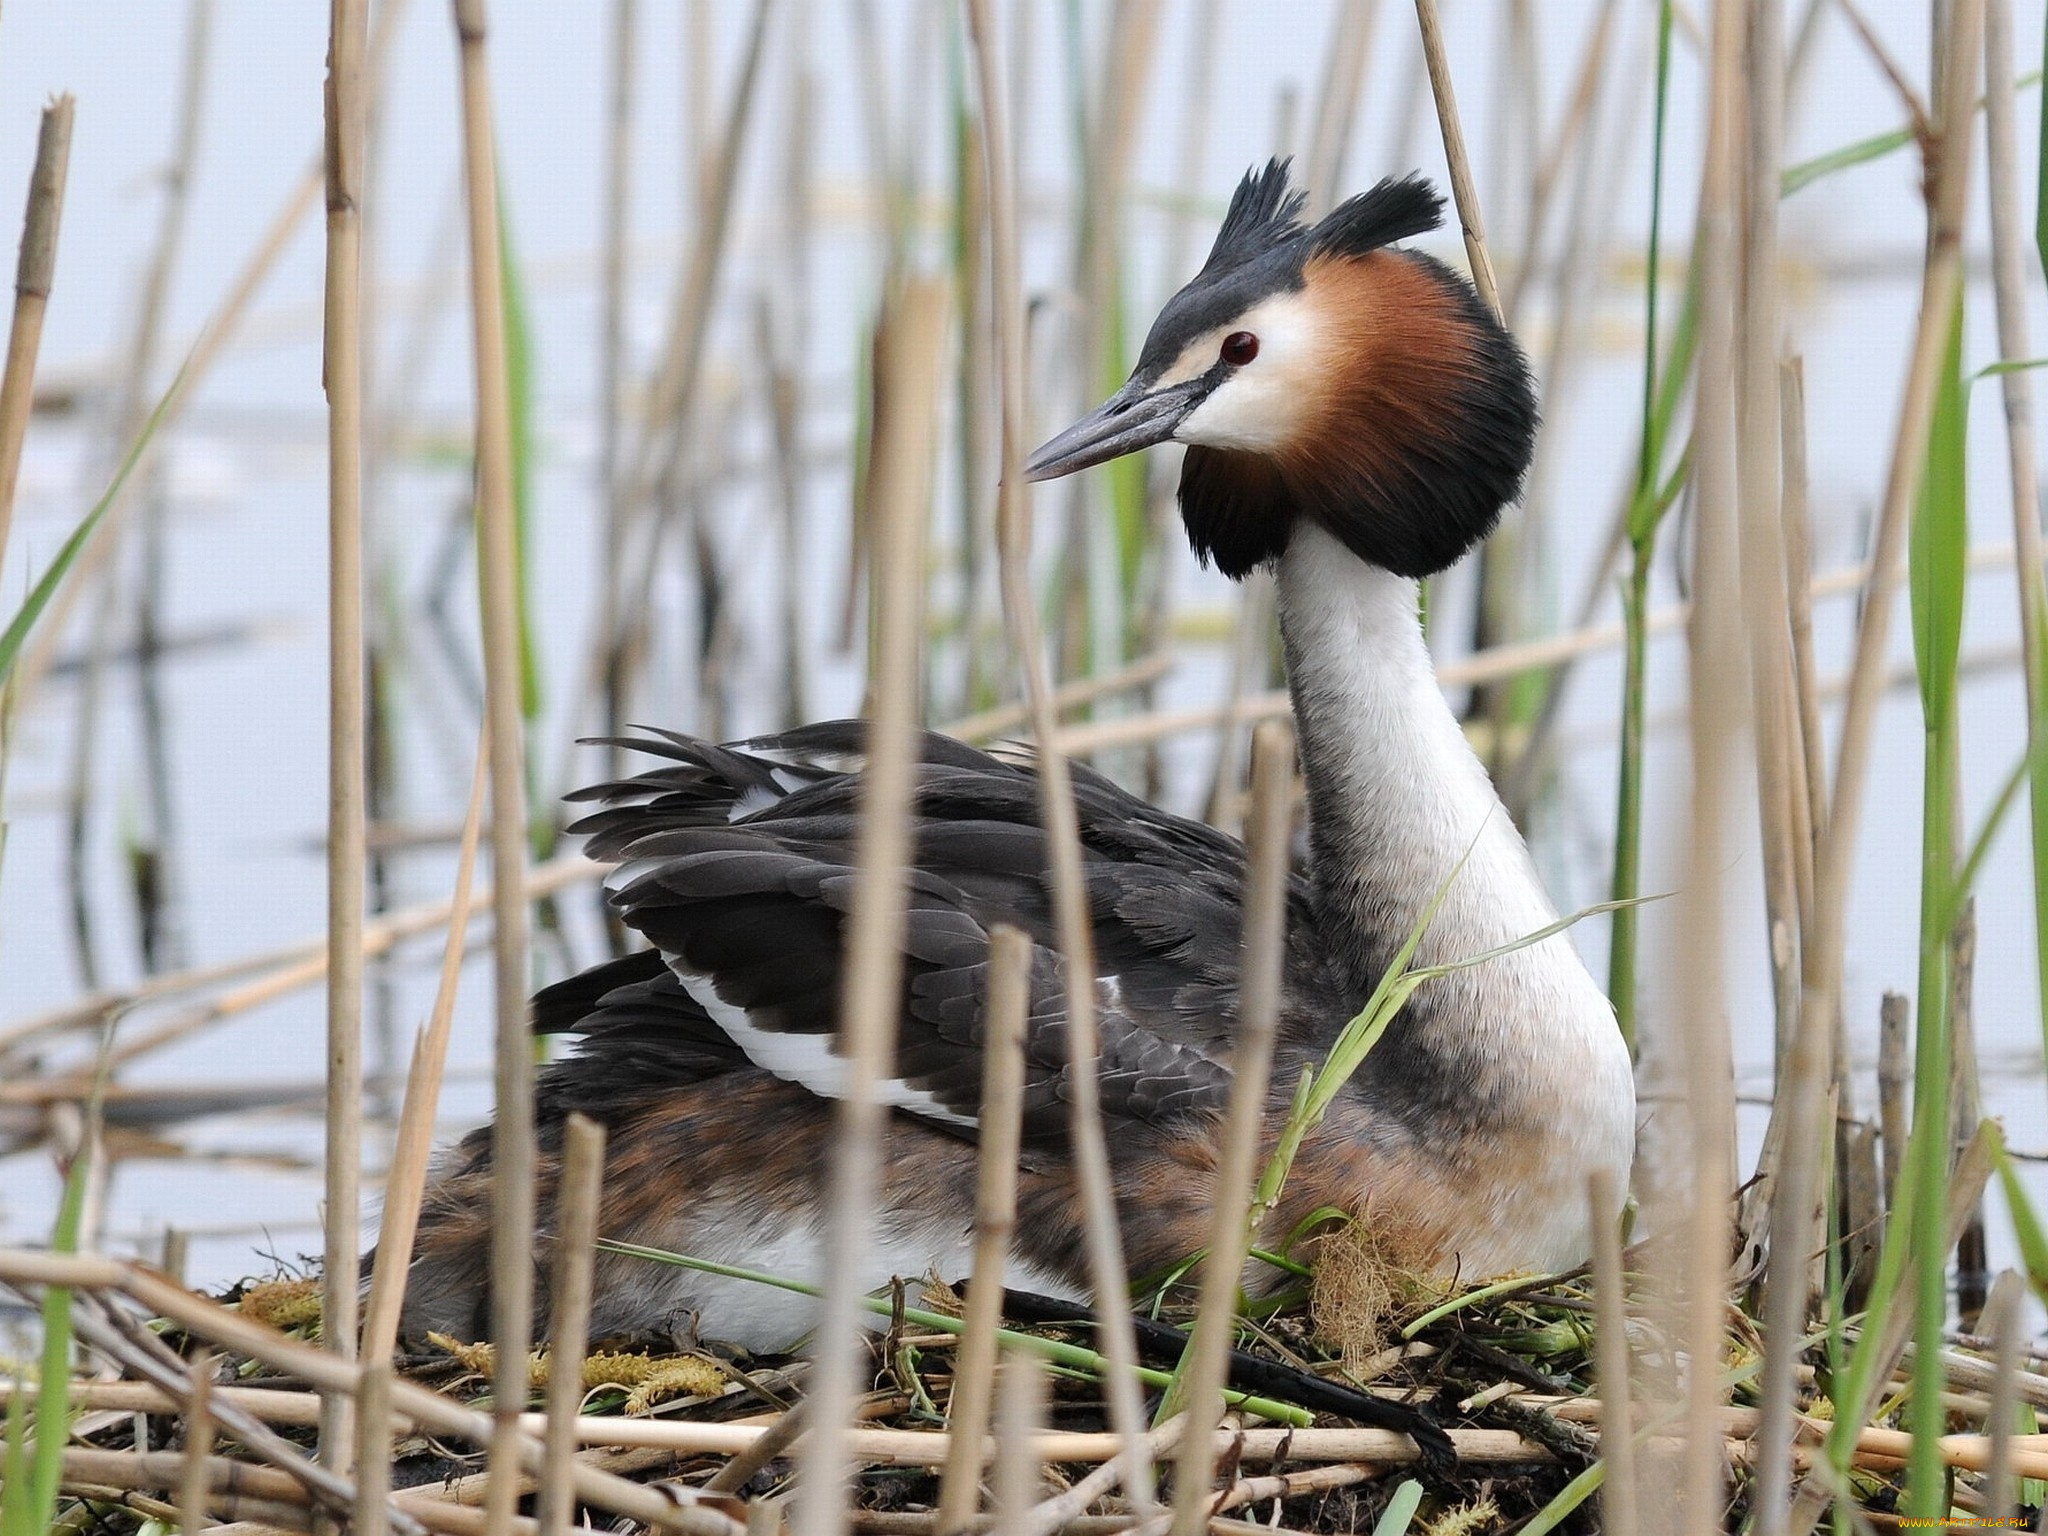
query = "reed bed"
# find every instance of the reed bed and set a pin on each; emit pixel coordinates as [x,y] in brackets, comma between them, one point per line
[804,493]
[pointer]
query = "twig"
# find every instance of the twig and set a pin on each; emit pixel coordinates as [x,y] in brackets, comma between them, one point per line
[2008,276]
[988,724]
[671,399]
[995,1219]
[928,1448]
[288,968]
[775,1439]
[1618,1503]
[373,1448]
[1894,1071]
[320,1368]
[1948,192]
[1718,720]
[1055,1513]
[578,1191]
[34,275]
[498,555]
[347,855]
[121,1338]
[1269,857]
[1966,1188]
[611,368]
[1106,1271]
[1490,664]
[908,344]
[198,1411]
[405,1184]
[1916,109]
[2002,1312]
[1019,1473]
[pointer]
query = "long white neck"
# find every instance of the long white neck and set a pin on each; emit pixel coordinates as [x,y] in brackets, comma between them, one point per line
[1396,797]
[1510,1075]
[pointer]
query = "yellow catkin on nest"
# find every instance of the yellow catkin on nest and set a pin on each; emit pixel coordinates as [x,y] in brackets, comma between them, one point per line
[1474,1517]
[283,1304]
[646,1380]
[680,1376]
[1362,1287]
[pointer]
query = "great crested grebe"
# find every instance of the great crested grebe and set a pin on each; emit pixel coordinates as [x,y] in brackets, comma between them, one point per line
[1356,419]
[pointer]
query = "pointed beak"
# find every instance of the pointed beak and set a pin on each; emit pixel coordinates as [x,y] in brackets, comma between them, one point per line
[1128,420]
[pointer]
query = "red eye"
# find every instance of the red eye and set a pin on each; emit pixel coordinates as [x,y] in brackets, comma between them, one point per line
[1239,348]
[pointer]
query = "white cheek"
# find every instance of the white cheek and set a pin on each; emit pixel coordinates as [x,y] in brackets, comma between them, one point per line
[1250,412]
[1258,408]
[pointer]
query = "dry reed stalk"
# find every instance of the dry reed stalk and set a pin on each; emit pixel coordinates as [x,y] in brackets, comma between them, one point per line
[611,338]
[1874,1442]
[1797,522]
[776,1439]
[671,402]
[1106,1272]
[1509,573]
[1490,664]
[42,649]
[988,724]
[154,897]
[412,1147]
[929,1448]
[1797,1221]
[578,1192]
[1619,1494]
[271,1405]
[1293,1485]
[1463,190]
[1947,197]
[1019,1472]
[373,1448]
[34,275]
[1873,44]
[192,1480]
[1790,1183]
[209,1320]
[498,555]
[342,377]
[1269,857]
[908,346]
[1058,1513]
[995,1219]
[1718,719]
[1090,630]
[2002,1314]
[1759,470]
[1572,131]
[261,1498]
[1336,109]
[1250,657]
[784,362]
[122,1338]
[1966,1187]
[2009,285]
[1894,1072]
[289,967]
[1966,1109]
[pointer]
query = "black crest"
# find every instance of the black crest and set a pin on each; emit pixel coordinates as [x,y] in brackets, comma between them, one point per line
[1264,212]
[1393,210]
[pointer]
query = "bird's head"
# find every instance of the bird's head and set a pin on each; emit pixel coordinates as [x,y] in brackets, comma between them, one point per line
[1321,372]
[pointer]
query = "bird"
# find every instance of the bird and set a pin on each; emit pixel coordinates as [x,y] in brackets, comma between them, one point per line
[1354,419]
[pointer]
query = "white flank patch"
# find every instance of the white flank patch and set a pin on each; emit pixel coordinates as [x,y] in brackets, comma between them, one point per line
[804,1059]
